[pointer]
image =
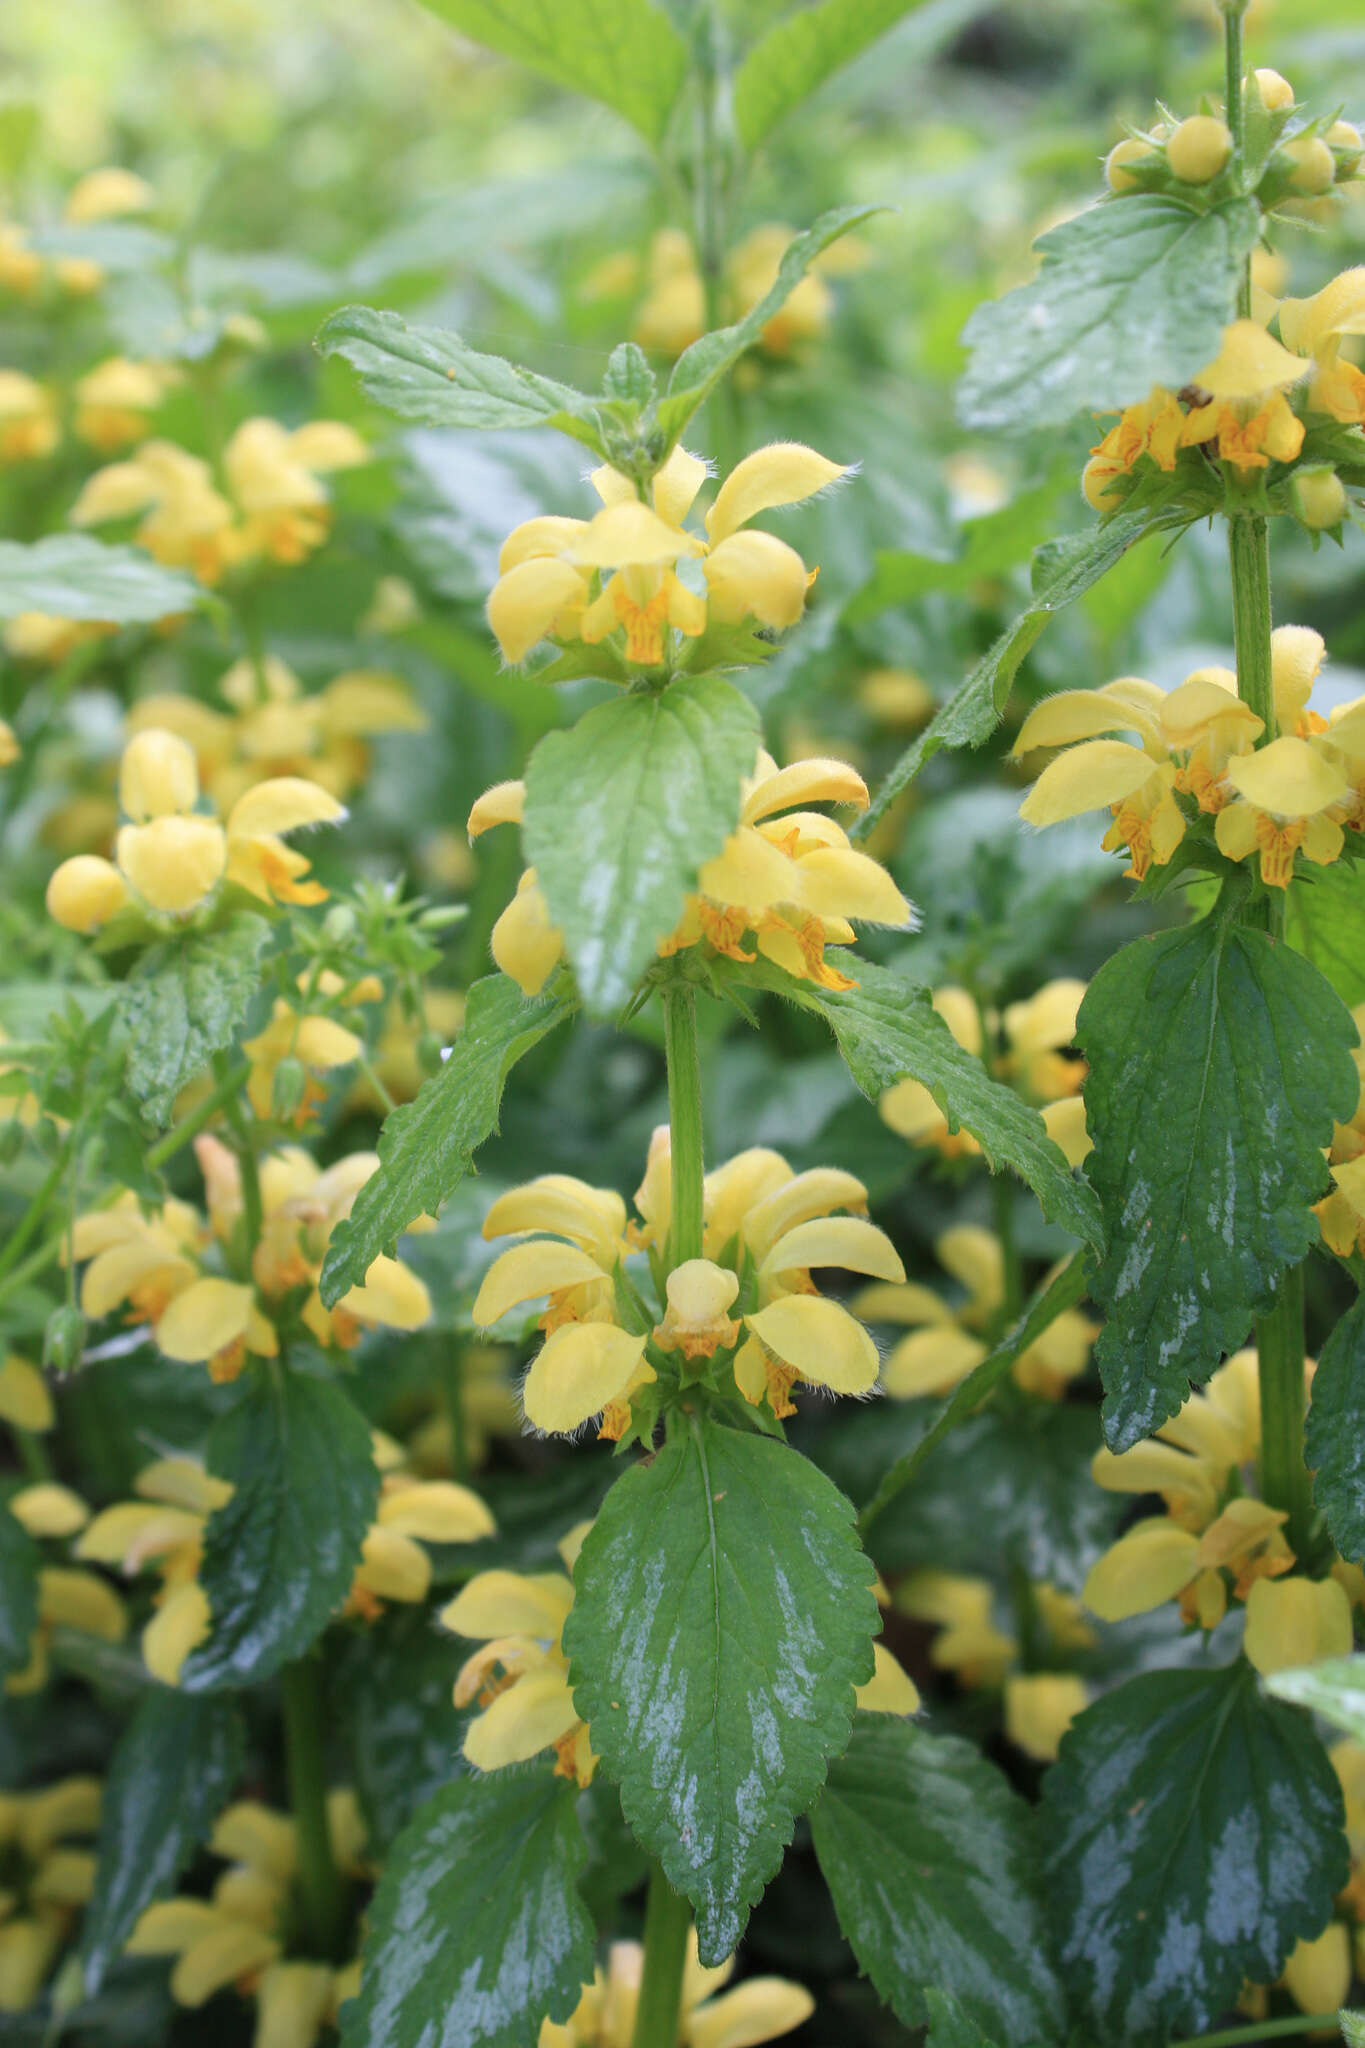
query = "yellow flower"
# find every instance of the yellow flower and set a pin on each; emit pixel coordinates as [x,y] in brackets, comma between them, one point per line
[548,565]
[946,1343]
[28,419]
[1319,1973]
[173,858]
[760,2009]
[804,317]
[25,1402]
[273,505]
[46,1839]
[155,1263]
[240,1934]
[673,314]
[110,193]
[767,1225]
[1246,412]
[72,1599]
[1039,1708]
[793,881]
[114,399]
[1035,1034]
[1341,1214]
[520,1674]
[1316,327]
[1285,792]
[969,1643]
[1291,1622]
[315,1040]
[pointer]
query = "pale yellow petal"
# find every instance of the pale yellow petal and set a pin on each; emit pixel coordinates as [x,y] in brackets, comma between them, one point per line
[523,1720]
[24,1397]
[1296,1621]
[173,862]
[292,2004]
[81,1600]
[631,535]
[227,1951]
[1039,1708]
[525,943]
[676,485]
[1339,308]
[250,1832]
[392,1566]
[1072,715]
[750,873]
[821,1340]
[838,881]
[1318,1973]
[1086,778]
[528,1271]
[931,1361]
[171,1926]
[282,804]
[208,1315]
[889,1690]
[760,2009]
[510,1603]
[503,804]
[1153,1562]
[1249,362]
[560,1203]
[578,1370]
[48,1509]
[525,603]
[544,538]
[157,775]
[784,473]
[1290,778]
[180,1624]
[1065,1124]
[756,574]
[437,1510]
[391,1295]
[819,780]
[848,1241]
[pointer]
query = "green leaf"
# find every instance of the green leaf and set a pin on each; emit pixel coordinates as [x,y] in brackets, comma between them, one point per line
[1068,569]
[723,1615]
[888,1031]
[929,1858]
[185,1002]
[626,53]
[700,368]
[279,1558]
[1218,1062]
[71,576]
[19,1561]
[798,54]
[1063,1291]
[1192,1834]
[430,375]
[174,1770]
[1133,292]
[1325,918]
[403,1731]
[621,812]
[949,2026]
[1334,1438]
[427,1146]
[477,1932]
[1334,1688]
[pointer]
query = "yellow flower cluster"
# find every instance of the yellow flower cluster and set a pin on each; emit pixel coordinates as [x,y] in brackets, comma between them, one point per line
[1039,1706]
[586,579]
[172,859]
[519,1675]
[160,1264]
[760,2009]
[112,405]
[272,506]
[1197,752]
[240,1935]
[1238,407]
[946,1343]
[750,1297]
[164,1528]
[49,1865]
[787,877]
[1217,1541]
[1341,1214]
[672,314]
[68,1596]
[273,729]
[110,193]
[1026,1046]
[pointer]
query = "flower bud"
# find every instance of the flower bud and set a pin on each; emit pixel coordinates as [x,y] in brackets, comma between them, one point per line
[340,924]
[1117,176]
[85,892]
[1198,149]
[63,1340]
[173,863]
[1315,167]
[429,1053]
[1275,91]
[1096,479]
[1344,139]
[157,776]
[287,1089]
[1319,498]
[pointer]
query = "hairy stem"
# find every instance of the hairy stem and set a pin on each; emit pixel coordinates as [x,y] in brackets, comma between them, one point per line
[1235,110]
[684,1121]
[667,1919]
[321,1884]
[27,1225]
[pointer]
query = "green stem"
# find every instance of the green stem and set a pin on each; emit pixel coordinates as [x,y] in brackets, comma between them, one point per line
[322,1885]
[1249,558]
[24,1230]
[1280,1352]
[1235,111]
[667,1919]
[32,1452]
[684,1121]
[202,1113]
[1263,2030]
[36,1263]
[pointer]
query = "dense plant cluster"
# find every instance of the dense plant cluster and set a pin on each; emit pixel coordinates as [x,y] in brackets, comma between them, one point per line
[681,1359]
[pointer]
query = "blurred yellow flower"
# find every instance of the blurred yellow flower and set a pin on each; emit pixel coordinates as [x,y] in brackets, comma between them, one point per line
[46,1843]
